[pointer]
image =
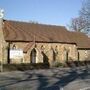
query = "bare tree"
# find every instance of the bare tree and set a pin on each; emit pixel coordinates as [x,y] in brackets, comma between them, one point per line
[85,14]
[82,22]
[77,24]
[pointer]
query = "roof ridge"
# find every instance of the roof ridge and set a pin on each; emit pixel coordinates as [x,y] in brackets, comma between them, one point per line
[37,23]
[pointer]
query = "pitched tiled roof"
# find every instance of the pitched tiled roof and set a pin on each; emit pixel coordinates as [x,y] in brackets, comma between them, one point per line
[80,39]
[23,31]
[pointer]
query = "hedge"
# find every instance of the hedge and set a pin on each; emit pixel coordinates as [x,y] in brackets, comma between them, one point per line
[22,67]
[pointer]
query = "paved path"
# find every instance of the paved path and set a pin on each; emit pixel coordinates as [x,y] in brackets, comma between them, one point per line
[50,79]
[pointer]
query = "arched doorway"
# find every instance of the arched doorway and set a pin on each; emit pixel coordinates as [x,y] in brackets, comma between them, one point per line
[33,56]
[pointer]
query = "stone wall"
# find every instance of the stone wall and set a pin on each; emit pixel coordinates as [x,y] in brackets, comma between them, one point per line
[3,44]
[54,52]
[84,55]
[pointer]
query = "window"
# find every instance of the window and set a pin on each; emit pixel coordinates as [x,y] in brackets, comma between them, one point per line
[33,56]
[14,46]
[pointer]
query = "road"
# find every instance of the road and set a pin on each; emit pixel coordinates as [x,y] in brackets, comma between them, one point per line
[49,79]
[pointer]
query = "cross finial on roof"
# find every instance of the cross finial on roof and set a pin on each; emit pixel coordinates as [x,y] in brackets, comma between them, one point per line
[1,13]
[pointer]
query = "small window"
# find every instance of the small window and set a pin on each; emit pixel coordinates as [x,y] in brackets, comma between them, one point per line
[86,54]
[42,47]
[14,46]
[56,50]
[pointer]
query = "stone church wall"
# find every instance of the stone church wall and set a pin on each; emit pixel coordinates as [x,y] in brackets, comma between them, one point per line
[3,44]
[84,55]
[55,52]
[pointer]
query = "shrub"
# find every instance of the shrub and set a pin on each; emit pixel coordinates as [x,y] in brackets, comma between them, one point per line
[77,63]
[22,67]
[58,64]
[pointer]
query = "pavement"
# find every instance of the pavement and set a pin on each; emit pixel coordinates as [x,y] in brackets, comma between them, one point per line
[47,79]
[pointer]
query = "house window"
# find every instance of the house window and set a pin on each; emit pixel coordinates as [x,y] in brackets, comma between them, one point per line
[33,56]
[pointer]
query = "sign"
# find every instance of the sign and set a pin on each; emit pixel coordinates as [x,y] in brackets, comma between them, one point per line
[16,54]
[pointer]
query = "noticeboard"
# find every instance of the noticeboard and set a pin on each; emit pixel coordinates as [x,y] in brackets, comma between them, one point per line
[16,54]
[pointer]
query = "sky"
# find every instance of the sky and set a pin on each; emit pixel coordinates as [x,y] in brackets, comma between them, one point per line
[54,12]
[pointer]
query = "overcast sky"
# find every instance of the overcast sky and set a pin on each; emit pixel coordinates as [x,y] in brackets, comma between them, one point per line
[58,12]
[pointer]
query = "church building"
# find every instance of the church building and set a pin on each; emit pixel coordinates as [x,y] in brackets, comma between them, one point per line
[25,42]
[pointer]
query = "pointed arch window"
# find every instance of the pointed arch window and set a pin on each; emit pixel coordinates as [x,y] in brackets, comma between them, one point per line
[33,55]
[14,46]
[53,54]
[66,51]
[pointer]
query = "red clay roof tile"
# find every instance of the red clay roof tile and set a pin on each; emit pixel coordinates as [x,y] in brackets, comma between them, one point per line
[28,32]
